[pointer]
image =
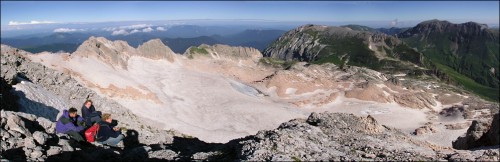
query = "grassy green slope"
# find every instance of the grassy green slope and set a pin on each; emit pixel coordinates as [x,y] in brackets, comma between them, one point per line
[488,93]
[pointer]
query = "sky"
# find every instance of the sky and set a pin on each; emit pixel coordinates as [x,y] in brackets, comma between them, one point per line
[95,11]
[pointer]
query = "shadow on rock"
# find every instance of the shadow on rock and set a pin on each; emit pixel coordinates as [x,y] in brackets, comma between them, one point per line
[16,154]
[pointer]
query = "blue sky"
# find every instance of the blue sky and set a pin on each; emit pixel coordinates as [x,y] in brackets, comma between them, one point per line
[333,11]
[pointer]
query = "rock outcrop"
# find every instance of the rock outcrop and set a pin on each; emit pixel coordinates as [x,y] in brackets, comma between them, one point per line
[334,136]
[480,133]
[220,51]
[155,49]
[426,129]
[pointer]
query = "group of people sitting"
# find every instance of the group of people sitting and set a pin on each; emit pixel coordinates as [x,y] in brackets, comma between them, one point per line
[75,125]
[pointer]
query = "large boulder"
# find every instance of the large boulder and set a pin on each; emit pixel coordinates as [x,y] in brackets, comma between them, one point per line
[480,133]
[40,137]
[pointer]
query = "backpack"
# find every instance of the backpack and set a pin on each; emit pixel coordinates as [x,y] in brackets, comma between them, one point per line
[91,133]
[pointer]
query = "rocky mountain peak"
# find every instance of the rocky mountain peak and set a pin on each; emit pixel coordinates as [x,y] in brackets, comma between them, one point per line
[113,52]
[432,27]
[118,52]
[155,49]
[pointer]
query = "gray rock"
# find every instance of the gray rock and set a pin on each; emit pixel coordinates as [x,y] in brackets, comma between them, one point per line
[14,134]
[426,129]
[3,121]
[54,150]
[29,142]
[323,136]
[15,123]
[492,137]
[48,125]
[203,155]
[36,154]
[371,156]
[29,117]
[27,151]
[163,154]
[5,134]
[65,145]
[40,137]
[3,145]
[480,133]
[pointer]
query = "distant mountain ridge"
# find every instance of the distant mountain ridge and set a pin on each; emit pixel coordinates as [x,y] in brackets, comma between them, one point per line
[179,38]
[389,31]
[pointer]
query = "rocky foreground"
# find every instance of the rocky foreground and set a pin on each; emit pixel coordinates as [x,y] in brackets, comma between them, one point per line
[322,136]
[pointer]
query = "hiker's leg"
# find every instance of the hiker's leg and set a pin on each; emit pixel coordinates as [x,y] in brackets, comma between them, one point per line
[75,135]
[95,119]
[113,141]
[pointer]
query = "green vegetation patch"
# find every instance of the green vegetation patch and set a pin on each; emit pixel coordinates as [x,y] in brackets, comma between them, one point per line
[277,63]
[197,50]
[470,85]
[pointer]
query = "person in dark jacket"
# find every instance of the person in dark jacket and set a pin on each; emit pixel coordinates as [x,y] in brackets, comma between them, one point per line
[72,124]
[89,114]
[108,134]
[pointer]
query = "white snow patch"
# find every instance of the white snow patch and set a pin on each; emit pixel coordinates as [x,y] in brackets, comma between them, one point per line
[380,85]
[34,99]
[399,75]
[245,89]
[290,91]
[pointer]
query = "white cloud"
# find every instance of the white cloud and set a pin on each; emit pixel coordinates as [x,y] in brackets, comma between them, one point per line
[147,30]
[120,32]
[160,28]
[131,29]
[134,31]
[109,29]
[394,22]
[30,23]
[137,26]
[66,30]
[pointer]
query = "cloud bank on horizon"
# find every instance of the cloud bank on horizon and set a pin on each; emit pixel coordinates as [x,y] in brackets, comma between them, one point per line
[123,18]
[33,22]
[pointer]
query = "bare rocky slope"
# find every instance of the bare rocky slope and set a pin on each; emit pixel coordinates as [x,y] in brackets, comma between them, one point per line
[29,134]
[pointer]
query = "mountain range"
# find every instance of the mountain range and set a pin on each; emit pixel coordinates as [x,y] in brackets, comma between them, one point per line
[466,54]
[179,38]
